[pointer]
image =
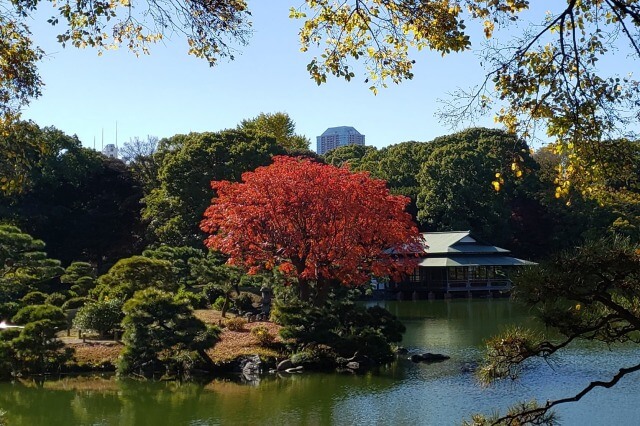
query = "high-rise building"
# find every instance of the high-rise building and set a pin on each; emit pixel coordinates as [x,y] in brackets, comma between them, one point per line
[335,137]
[110,150]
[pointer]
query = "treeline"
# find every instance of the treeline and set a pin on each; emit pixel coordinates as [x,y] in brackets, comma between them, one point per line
[495,185]
[120,239]
[87,207]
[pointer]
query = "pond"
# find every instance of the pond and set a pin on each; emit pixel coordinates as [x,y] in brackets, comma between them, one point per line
[403,393]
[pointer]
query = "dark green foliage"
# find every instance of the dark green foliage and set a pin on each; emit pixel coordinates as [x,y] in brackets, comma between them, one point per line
[24,266]
[103,317]
[75,303]
[187,165]
[211,270]
[212,292]
[80,277]
[9,309]
[219,303]
[82,204]
[243,302]
[35,348]
[34,313]
[348,155]
[315,357]
[470,182]
[56,299]
[195,300]
[34,298]
[135,273]
[341,324]
[182,260]
[159,330]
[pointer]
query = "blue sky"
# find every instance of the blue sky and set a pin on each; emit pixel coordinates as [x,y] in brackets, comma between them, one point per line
[170,92]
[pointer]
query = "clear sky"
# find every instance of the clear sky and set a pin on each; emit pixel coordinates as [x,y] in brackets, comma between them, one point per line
[170,92]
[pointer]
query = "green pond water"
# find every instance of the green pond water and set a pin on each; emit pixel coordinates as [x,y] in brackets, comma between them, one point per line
[403,393]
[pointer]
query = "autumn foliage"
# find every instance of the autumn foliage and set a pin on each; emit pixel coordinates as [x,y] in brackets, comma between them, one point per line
[315,222]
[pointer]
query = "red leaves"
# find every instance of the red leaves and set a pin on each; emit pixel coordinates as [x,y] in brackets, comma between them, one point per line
[313,221]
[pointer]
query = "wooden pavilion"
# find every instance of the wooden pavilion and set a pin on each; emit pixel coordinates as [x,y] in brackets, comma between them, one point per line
[456,264]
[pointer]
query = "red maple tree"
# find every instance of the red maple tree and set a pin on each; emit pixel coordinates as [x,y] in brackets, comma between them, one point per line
[315,222]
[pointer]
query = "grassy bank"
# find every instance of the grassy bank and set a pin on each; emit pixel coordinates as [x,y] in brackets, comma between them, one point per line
[92,354]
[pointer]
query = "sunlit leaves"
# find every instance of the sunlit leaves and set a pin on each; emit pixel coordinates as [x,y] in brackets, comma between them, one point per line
[313,221]
[19,82]
[212,28]
[547,79]
[19,79]
[279,126]
[380,33]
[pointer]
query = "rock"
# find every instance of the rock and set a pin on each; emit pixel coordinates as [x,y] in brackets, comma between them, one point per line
[250,367]
[354,357]
[468,367]
[283,365]
[429,357]
[401,350]
[297,369]
[353,365]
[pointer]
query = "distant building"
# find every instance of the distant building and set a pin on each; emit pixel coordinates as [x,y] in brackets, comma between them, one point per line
[110,150]
[335,137]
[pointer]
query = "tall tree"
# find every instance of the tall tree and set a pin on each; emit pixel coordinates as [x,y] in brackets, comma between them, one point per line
[24,266]
[133,274]
[471,180]
[213,30]
[160,329]
[399,165]
[137,148]
[609,205]
[542,64]
[83,205]
[319,224]
[80,277]
[188,163]
[350,155]
[139,155]
[279,126]
[542,72]
[35,349]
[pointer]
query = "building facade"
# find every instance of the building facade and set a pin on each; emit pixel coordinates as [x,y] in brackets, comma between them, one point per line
[110,150]
[456,264]
[335,137]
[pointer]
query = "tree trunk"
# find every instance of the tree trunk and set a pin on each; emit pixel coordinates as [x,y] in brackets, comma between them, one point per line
[304,290]
[225,305]
[322,293]
[205,357]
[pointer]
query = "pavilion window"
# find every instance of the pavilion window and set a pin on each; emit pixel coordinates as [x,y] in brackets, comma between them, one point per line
[458,273]
[478,272]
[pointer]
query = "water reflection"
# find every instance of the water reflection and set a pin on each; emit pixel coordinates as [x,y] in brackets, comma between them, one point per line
[403,393]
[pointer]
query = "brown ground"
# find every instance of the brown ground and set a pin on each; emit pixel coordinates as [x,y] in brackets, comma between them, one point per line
[94,353]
